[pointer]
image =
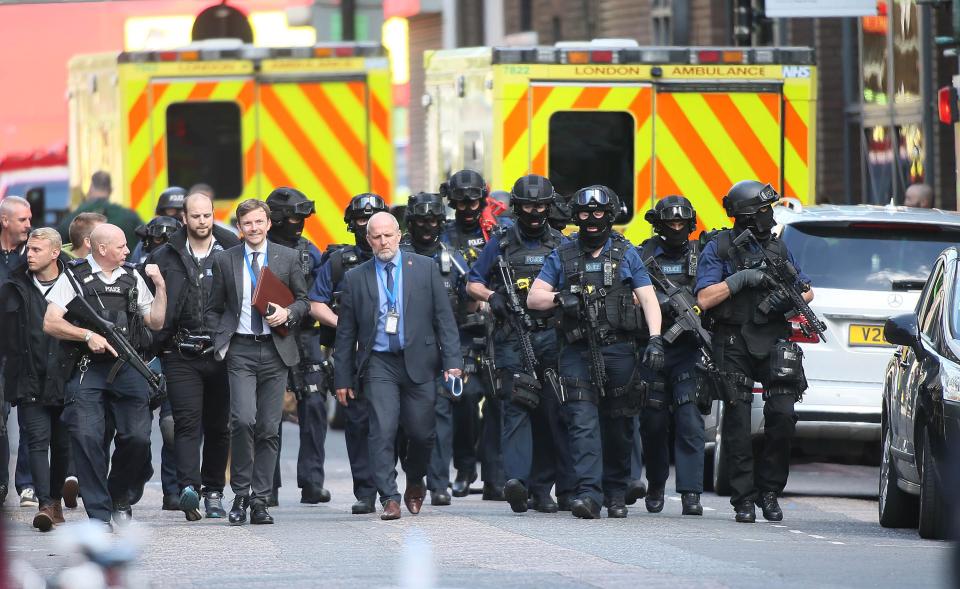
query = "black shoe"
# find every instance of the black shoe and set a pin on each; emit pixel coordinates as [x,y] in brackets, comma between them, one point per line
[439,498]
[122,513]
[771,509]
[492,492]
[745,513]
[313,495]
[136,494]
[238,513]
[585,508]
[461,486]
[654,499]
[272,500]
[691,504]
[543,503]
[213,505]
[363,507]
[171,502]
[617,509]
[564,503]
[516,495]
[635,490]
[258,513]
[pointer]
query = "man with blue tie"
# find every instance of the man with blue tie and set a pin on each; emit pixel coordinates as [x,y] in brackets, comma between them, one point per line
[392,343]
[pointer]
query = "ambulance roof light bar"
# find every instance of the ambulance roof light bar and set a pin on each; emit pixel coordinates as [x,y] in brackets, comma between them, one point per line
[208,51]
[577,53]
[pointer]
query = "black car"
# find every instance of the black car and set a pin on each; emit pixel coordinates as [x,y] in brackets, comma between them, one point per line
[921,408]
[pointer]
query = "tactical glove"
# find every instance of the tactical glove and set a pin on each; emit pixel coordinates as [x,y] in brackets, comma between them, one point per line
[779,302]
[498,306]
[653,356]
[751,277]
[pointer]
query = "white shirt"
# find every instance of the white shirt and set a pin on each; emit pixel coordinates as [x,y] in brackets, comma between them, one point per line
[245,300]
[62,291]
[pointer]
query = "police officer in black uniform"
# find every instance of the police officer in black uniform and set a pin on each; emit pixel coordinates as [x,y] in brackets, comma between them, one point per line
[100,384]
[153,234]
[425,215]
[751,345]
[594,280]
[197,390]
[337,260]
[466,193]
[534,443]
[289,209]
[672,397]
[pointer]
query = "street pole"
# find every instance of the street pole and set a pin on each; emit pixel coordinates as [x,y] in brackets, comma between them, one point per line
[348,19]
[928,93]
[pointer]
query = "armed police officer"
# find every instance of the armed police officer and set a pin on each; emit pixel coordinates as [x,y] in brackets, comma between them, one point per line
[466,193]
[595,279]
[672,397]
[533,440]
[197,388]
[289,209]
[168,219]
[424,216]
[750,344]
[102,383]
[324,298]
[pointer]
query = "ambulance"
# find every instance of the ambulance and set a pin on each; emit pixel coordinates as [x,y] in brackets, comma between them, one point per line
[646,121]
[240,118]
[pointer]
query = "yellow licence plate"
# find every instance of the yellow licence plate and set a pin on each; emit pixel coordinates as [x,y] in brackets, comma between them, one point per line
[867,335]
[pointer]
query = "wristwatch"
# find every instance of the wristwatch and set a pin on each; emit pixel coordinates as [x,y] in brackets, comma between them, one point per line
[87,336]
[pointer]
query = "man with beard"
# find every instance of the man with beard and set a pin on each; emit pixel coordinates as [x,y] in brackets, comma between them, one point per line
[424,221]
[324,306]
[289,209]
[197,387]
[674,393]
[595,281]
[533,441]
[731,284]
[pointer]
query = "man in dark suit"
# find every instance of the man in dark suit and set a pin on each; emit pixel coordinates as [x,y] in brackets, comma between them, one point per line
[257,357]
[395,333]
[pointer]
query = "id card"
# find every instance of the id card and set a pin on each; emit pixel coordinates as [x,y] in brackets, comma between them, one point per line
[392,324]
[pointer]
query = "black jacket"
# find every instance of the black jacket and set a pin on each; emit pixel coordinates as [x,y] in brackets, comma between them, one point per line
[22,308]
[178,272]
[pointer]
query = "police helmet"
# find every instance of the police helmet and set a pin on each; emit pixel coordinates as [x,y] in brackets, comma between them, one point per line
[286,203]
[672,208]
[596,197]
[747,197]
[464,185]
[171,198]
[161,227]
[532,189]
[425,205]
[363,206]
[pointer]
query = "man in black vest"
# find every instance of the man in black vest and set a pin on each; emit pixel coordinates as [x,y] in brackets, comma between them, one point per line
[324,302]
[747,342]
[101,383]
[36,370]
[197,386]
[673,394]
[534,442]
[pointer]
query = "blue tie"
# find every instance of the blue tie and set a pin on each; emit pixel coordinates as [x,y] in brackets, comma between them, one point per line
[256,320]
[393,338]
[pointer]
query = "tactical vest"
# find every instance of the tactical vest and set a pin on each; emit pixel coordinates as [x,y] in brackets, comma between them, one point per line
[117,303]
[743,307]
[448,274]
[681,271]
[469,246]
[526,263]
[620,318]
[303,254]
[196,291]
[342,258]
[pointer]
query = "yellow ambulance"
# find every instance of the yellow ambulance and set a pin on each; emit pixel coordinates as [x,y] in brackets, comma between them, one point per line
[240,118]
[645,121]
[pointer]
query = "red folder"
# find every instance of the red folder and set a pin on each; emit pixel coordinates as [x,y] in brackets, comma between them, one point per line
[271,290]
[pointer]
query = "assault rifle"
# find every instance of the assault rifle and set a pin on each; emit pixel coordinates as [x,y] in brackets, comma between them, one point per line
[590,297]
[783,277]
[519,319]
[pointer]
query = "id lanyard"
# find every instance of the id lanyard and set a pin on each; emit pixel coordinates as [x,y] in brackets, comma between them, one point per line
[253,279]
[391,295]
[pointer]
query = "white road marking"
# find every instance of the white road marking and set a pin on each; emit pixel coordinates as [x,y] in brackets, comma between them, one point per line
[795,532]
[816,536]
[838,543]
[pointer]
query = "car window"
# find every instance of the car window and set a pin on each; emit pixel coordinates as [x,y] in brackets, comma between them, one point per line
[867,256]
[930,316]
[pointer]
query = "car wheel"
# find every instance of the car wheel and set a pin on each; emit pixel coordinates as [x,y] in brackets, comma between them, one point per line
[721,473]
[933,510]
[898,509]
[335,416]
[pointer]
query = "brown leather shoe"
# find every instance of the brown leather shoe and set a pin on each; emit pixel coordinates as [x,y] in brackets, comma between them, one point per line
[391,510]
[43,521]
[413,497]
[70,492]
[57,513]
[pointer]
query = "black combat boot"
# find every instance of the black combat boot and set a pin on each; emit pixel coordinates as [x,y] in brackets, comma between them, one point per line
[771,509]
[691,504]
[516,495]
[654,499]
[746,514]
[617,509]
[635,490]
[586,508]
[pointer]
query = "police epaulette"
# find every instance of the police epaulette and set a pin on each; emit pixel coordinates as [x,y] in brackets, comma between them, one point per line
[77,262]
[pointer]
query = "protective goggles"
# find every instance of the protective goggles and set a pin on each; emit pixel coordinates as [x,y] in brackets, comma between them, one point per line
[467,193]
[364,202]
[158,231]
[425,209]
[587,195]
[304,208]
[676,213]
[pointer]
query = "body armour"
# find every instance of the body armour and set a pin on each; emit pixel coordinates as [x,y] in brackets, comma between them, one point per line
[526,263]
[448,274]
[680,269]
[469,246]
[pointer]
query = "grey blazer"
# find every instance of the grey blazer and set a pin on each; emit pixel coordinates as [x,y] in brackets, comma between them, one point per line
[431,340]
[227,291]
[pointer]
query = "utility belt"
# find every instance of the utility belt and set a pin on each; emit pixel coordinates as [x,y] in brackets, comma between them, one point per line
[195,344]
[607,338]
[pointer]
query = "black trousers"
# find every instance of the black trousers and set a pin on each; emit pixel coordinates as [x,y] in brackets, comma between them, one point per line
[199,395]
[751,475]
[396,401]
[46,434]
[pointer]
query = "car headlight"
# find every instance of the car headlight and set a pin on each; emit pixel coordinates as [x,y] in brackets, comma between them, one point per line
[950,377]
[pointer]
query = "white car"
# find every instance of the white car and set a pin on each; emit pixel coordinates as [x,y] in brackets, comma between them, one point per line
[865,264]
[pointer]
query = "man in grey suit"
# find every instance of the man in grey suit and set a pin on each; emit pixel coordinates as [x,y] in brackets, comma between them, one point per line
[257,357]
[395,333]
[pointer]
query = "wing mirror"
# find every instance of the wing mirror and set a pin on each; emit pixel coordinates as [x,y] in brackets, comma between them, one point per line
[903,330]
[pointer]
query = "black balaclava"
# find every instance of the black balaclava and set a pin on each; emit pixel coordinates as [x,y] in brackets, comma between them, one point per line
[589,241]
[760,224]
[287,233]
[468,219]
[533,224]
[674,239]
[424,236]
[360,238]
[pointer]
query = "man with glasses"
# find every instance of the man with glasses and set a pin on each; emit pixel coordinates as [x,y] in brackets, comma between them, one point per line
[749,342]
[534,445]
[595,281]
